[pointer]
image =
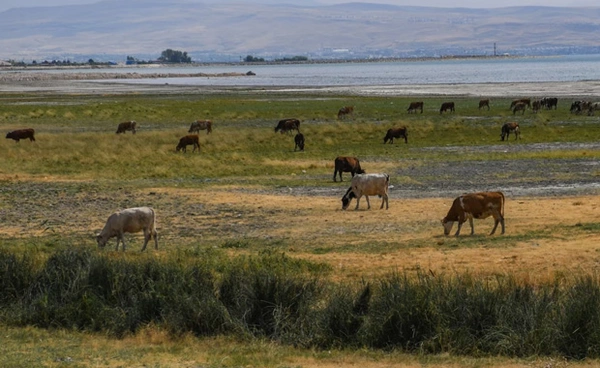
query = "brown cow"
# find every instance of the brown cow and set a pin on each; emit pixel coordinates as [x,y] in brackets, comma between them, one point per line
[19,134]
[526,101]
[519,106]
[536,105]
[128,125]
[191,139]
[299,141]
[287,125]
[347,164]
[510,127]
[484,103]
[199,125]
[414,106]
[344,111]
[396,133]
[475,205]
[447,106]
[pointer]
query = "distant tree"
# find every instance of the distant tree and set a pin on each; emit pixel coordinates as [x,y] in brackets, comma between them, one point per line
[174,56]
[91,61]
[252,59]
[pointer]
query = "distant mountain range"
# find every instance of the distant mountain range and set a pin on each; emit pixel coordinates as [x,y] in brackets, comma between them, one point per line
[227,31]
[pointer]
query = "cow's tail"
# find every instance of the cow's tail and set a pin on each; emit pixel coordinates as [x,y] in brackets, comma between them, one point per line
[502,205]
[153,232]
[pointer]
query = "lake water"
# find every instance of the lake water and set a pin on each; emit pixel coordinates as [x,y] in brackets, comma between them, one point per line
[456,71]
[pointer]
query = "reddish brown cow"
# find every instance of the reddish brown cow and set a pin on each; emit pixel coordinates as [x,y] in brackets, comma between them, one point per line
[484,103]
[344,111]
[414,106]
[510,127]
[287,125]
[191,139]
[19,134]
[128,125]
[519,106]
[199,125]
[526,101]
[347,164]
[475,205]
[396,133]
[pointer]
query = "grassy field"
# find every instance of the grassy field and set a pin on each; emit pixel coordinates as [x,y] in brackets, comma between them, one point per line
[247,191]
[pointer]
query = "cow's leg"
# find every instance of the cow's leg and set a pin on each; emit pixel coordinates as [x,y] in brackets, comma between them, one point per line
[335,174]
[384,198]
[459,227]
[471,223]
[120,237]
[155,236]
[147,236]
[368,203]
[358,200]
[498,219]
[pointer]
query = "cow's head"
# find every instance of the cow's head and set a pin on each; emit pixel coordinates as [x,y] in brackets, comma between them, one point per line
[347,198]
[9,135]
[447,226]
[100,240]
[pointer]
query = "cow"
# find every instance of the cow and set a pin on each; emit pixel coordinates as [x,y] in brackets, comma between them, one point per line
[396,133]
[287,125]
[367,184]
[344,111]
[510,127]
[519,106]
[475,205]
[19,134]
[128,125]
[414,106]
[130,220]
[526,101]
[576,106]
[549,102]
[447,106]
[191,139]
[299,141]
[199,125]
[593,106]
[536,105]
[346,164]
[484,103]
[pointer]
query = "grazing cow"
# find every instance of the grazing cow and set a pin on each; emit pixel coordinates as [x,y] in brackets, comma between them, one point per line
[414,106]
[475,205]
[593,106]
[549,102]
[526,101]
[191,139]
[299,140]
[287,125]
[484,103]
[519,106]
[344,111]
[199,125]
[130,220]
[396,133]
[19,134]
[346,164]
[367,184]
[510,127]
[576,107]
[128,125]
[447,106]
[536,105]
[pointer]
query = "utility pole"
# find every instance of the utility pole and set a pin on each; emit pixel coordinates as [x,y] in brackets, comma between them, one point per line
[495,49]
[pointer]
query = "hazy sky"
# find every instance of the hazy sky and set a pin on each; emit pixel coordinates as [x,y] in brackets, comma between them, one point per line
[7,4]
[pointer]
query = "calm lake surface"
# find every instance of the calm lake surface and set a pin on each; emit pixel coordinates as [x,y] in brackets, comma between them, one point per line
[501,70]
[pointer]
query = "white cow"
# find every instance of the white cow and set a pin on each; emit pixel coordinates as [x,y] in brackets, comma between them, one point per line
[130,220]
[367,184]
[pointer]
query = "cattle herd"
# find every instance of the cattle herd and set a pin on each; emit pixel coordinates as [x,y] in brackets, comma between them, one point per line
[464,208]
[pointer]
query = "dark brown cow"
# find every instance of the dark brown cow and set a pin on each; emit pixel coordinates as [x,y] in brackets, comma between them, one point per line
[392,133]
[484,103]
[19,134]
[199,125]
[287,125]
[299,141]
[128,125]
[519,106]
[447,106]
[536,105]
[191,139]
[526,101]
[346,164]
[549,103]
[510,127]
[475,205]
[414,106]
[344,111]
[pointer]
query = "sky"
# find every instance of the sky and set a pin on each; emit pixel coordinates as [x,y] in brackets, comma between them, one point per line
[7,4]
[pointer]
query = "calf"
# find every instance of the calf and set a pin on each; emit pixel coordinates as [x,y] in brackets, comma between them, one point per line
[396,133]
[414,106]
[299,140]
[287,125]
[19,134]
[346,164]
[367,184]
[536,106]
[475,205]
[510,127]
[191,139]
[128,125]
[344,111]
[484,103]
[447,106]
[520,106]
[199,125]
[131,220]
[526,101]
